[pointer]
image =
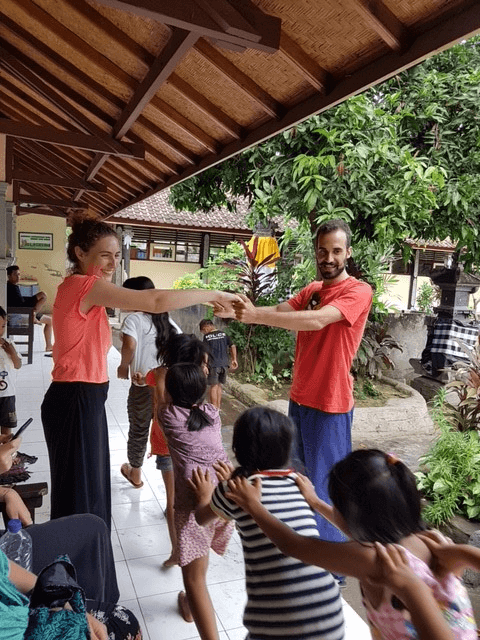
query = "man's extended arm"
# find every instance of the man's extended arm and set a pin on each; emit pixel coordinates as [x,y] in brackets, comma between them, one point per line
[285,317]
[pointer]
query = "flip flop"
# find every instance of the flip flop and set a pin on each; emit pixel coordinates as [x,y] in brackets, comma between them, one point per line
[183,607]
[124,471]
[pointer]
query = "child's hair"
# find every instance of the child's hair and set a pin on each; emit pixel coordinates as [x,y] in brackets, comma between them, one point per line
[206,322]
[3,313]
[262,439]
[186,384]
[183,347]
[377,496]
[160,321]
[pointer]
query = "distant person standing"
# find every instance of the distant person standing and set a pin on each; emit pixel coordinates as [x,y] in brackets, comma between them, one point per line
[35,302]
[224,356]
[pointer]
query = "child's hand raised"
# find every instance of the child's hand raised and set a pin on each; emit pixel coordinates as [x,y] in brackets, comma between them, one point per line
[244,493]
[223,470]
[202,485]
[393,570]
[307,489]
[448,556]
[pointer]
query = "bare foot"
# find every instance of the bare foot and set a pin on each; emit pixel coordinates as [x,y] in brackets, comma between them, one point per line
[172,561]
[184,607]
[48,347]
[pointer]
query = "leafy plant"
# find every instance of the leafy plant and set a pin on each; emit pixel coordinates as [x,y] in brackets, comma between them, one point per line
[373,355]
[450,471]
[427,296]
[218,274]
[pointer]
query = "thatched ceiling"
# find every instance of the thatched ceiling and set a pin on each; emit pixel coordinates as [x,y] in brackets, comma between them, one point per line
[106,102]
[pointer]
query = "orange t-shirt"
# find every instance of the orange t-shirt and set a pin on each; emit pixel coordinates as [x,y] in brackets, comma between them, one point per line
[321,373]
[82,340]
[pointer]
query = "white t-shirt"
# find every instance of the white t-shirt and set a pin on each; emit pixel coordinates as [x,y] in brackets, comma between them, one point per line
[8,374]
[140,327]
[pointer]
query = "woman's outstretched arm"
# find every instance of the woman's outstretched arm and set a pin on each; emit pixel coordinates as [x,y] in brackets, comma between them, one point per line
[106,294]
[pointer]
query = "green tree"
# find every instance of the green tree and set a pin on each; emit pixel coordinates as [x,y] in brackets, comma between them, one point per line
[401,160]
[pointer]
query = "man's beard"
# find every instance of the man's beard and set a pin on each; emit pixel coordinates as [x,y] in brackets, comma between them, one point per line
[330,274]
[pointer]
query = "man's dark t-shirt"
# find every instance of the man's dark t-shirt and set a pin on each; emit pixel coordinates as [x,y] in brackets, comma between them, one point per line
[15,298]
[218,343]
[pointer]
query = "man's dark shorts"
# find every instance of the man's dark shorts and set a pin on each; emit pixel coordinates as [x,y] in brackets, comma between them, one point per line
[217,375]
[8,415]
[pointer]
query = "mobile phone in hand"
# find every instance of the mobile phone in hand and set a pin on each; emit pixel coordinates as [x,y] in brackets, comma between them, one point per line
[22,429]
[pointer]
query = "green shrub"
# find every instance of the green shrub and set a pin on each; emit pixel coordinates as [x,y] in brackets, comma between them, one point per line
[450,471]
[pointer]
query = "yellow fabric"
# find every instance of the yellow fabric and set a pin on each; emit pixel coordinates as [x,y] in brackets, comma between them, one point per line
[265,248]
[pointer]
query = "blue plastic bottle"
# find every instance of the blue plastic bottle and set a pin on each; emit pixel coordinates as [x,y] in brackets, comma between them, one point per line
[16,544]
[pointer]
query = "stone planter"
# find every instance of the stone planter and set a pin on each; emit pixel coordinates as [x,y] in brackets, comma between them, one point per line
[399,416]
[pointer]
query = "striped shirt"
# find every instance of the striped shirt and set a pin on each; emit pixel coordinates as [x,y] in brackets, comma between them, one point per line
[286,598]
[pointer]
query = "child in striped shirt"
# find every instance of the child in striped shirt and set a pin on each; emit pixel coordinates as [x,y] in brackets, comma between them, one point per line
[286,598]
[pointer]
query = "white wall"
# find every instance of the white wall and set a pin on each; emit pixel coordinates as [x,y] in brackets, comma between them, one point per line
[162,273]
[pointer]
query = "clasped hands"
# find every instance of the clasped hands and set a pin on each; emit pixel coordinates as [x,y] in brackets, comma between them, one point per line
[240,309]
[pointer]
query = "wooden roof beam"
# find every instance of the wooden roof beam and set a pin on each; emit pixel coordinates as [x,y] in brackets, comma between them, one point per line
[313,73]
[57,181]
[68,139]
[23,211]
[240,79]
[378,17]
[178,45]
[177,119]
[216,19]
[49,202]
[205,106]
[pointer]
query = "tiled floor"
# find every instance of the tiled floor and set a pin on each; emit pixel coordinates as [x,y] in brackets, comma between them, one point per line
[139,536]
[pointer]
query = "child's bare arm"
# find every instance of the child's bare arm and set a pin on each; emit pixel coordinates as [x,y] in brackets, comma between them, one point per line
[346,558]
[393,571]
[129,345]
[320,506]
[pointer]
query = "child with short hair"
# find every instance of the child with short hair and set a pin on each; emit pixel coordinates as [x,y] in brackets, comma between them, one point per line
[375,500]
[286,598]
[9,361]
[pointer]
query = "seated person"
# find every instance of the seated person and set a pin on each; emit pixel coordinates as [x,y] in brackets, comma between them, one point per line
[105,621]
[36,302]
[84,538]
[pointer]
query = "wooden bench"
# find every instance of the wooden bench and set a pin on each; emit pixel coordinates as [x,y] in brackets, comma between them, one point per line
[31,494]
[23,330]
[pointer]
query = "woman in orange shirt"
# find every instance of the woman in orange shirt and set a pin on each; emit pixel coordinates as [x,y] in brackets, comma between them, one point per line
[73,411]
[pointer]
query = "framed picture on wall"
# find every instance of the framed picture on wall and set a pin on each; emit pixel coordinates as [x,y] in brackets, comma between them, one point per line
[32,240]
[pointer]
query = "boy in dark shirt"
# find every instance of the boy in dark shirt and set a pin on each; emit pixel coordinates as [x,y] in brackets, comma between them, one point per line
[224,355]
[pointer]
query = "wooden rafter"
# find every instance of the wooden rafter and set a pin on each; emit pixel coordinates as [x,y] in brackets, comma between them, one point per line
[163,160]
[178,45]
[313,73]
[379,18]
[113,32]
[50,202]
[250,88]
[205,106]
[57,181]
[94,57]
[68,139]
[228,24]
